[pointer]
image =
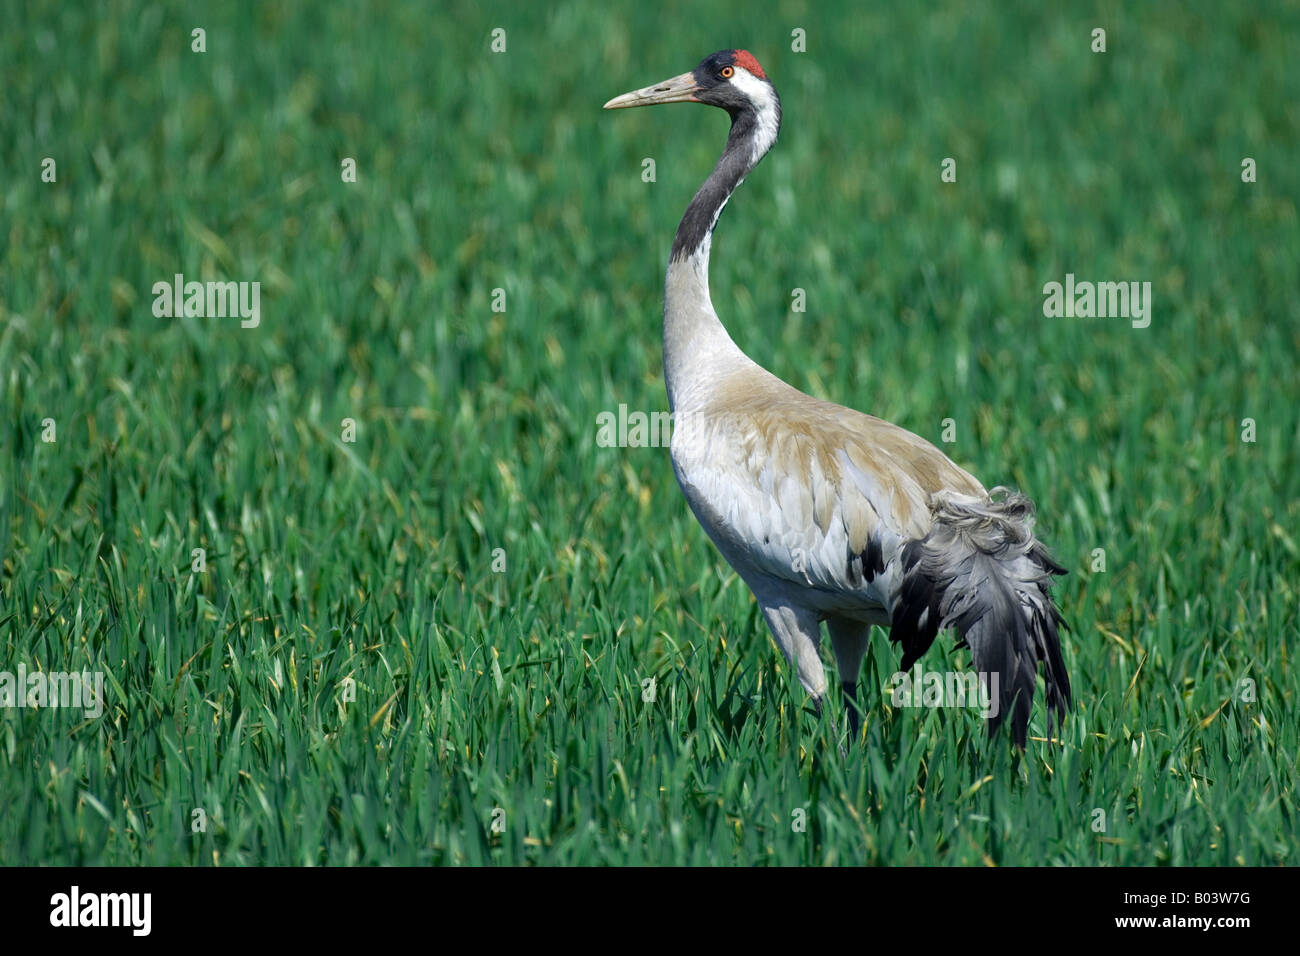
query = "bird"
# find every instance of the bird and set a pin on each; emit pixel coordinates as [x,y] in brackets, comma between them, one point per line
[827,514]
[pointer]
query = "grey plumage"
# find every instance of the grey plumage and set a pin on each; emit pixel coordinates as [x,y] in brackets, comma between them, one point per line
[981,571]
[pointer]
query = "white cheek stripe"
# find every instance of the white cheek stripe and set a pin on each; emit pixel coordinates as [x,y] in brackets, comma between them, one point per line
[760,93]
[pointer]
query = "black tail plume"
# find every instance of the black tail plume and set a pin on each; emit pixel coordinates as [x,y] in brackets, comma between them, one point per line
[981,571]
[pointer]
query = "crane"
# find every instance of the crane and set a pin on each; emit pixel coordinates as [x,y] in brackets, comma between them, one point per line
[828,514]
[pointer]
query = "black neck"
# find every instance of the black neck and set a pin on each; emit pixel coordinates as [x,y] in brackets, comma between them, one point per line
[734,165]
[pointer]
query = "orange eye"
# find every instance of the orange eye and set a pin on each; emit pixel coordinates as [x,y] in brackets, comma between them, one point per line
[727,72]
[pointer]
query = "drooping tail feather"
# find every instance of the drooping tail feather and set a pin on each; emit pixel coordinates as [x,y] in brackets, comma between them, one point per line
[981,571]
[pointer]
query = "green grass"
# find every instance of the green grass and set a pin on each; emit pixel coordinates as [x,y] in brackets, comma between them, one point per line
[373,561]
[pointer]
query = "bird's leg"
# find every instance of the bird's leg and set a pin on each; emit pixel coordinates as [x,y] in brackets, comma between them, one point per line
[797,632]
[849,641]
[849,689]
[835,724]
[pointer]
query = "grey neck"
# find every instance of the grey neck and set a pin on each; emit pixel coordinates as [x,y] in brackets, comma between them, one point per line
[697,347]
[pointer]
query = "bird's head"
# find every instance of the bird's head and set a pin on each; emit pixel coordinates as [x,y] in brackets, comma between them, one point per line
[729,79]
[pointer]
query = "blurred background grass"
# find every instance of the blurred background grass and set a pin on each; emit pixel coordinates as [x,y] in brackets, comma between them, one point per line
[476,430]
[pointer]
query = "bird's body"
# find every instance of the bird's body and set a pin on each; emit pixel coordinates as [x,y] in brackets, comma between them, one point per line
[828,514]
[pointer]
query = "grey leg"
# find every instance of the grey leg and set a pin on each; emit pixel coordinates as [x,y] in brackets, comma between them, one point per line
[849,641]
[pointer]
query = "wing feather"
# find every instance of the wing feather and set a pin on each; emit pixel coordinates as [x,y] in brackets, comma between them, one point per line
[806,491]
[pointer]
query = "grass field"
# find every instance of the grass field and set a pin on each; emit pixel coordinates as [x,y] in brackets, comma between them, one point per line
[355,679]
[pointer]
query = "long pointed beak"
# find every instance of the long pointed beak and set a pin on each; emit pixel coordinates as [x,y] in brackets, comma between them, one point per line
[680,89]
